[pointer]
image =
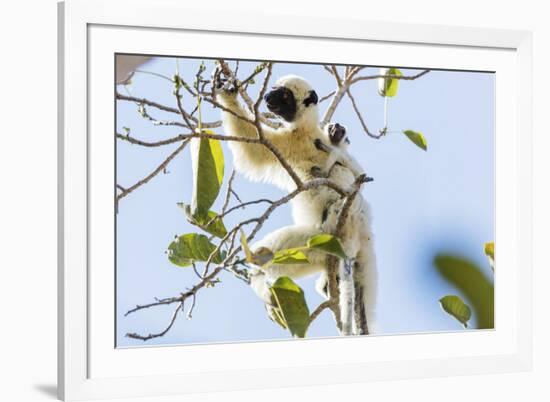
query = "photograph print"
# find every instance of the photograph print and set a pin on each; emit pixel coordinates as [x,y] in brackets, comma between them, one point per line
[262,200]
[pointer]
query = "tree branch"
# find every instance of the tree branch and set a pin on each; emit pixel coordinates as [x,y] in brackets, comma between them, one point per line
[165,108]
[155,172]
[360,117]
[320,308]
[159,334]
[397,77]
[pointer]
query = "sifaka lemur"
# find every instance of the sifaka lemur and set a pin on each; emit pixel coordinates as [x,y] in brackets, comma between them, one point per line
[312,152]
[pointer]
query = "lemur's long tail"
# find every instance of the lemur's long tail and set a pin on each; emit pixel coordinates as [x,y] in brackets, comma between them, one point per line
[365,283]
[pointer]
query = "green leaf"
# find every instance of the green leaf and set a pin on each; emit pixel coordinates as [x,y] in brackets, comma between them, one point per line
[290,256]
[327,243]
[246,248]
[490,252]
[192,247]
[388,86]
[417,138]
[208,223]
[291,305]
[208,168]
[474,285]
[454,306]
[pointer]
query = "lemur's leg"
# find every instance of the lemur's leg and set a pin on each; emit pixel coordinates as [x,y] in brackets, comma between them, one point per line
[345,284]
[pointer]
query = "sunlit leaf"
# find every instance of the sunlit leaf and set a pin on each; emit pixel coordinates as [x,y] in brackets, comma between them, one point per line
[417,138]
[190,248]
[208,168]
[454,306]
[290,256]
[246,248]
[208,223]
[327,243]
[388,86]
[474,285]
[289,299]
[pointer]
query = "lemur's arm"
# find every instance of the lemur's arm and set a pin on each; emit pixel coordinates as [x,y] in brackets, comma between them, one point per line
[249,154]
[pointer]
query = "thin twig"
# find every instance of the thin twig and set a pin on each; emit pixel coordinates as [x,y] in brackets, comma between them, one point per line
[181,137]
[256,71]
[360,117]
[165,108]
[168,141]
[320,308]
[183,114]
[324,98]
[162,333]
[397,77]
[155,74]
[155,172]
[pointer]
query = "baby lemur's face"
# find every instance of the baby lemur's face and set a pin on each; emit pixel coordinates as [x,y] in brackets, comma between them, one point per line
[337,134]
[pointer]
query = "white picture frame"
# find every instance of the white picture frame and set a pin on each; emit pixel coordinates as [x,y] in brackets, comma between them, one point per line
[89,365]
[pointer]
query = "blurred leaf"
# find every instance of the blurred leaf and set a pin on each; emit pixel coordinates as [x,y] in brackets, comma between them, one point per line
[388,86]
[454,306]
[290,256]
[417,138]
[291,304]
[471,281]
[214,227]
[327,243]
[490,253]
[191,247]
[208,167]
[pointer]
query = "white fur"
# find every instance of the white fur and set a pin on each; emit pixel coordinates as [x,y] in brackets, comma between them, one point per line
[339,154]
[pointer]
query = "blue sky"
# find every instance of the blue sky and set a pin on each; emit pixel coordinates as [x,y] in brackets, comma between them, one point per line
[423,203]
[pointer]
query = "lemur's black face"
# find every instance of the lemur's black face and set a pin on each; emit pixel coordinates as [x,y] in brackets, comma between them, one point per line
[337,133]
[281,101]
